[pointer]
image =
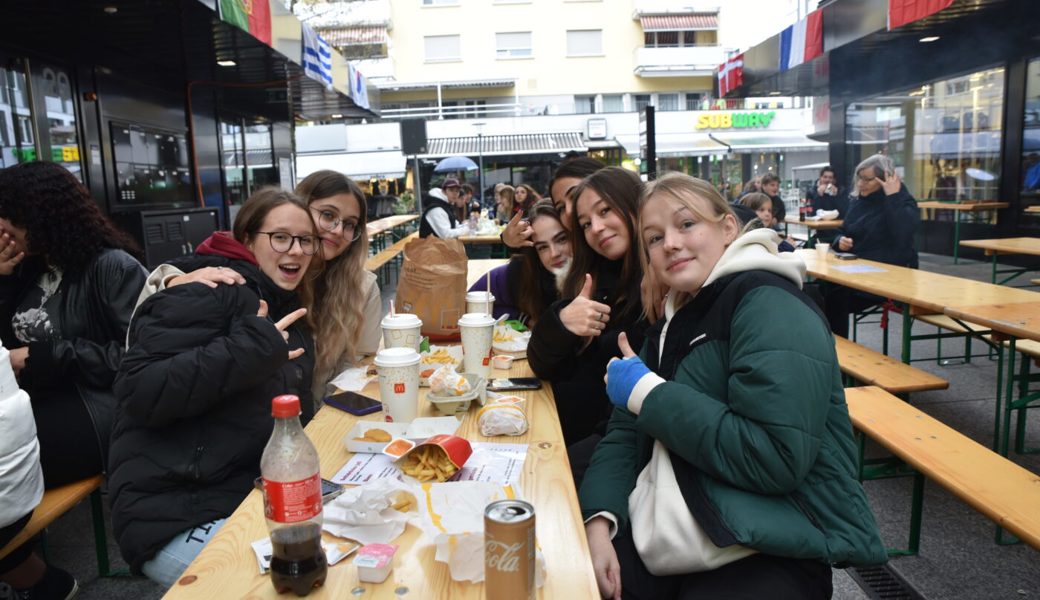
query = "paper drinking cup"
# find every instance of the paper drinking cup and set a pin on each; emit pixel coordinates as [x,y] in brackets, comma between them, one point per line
[401,331]
[822,249]
[480,302]
[398,383]
[478,330]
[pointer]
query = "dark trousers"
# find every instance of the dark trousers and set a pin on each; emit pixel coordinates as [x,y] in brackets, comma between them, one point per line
[840,302]
[17,556]
[580,455]
[69,449]
[753,578]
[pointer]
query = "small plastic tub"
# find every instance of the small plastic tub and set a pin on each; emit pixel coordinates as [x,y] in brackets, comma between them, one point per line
[374,562]
[502,361]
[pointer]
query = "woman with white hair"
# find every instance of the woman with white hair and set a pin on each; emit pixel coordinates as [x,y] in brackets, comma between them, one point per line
[879,226]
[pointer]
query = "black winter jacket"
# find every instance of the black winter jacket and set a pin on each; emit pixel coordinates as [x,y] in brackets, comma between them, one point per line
[431,204]
[575,370]
[90,313]
[882,227]
[194,412]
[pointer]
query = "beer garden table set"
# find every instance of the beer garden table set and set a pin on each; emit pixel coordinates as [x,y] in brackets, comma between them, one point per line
[1007,313]
[227,566]
[995,247]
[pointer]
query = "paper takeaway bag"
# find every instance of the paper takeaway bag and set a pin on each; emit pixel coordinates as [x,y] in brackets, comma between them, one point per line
[433,285]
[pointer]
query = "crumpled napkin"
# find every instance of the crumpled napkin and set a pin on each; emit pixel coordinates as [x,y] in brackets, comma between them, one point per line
[352,380]
[366,513]
[826,215]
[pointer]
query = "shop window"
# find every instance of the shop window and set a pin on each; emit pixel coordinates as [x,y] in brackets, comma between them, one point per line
[945,137]
[1030,192]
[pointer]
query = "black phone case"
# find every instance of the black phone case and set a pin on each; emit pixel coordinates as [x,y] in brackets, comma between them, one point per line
[354,410]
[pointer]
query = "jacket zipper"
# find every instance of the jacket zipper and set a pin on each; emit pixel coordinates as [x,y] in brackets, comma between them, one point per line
[806,510]
[195,467]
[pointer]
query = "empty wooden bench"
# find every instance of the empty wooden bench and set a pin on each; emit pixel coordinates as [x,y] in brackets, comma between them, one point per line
[1004,492]
[378,261]
[873,368]
[58,501]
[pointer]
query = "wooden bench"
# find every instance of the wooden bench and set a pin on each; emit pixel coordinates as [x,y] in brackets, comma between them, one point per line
[378,261]
[1004,492]
[873,368]
[58,501]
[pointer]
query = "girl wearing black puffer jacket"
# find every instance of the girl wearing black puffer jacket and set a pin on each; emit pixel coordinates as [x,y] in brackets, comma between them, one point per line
[195,386]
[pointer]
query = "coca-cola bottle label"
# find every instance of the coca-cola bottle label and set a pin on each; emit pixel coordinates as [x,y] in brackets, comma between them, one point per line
[292,501]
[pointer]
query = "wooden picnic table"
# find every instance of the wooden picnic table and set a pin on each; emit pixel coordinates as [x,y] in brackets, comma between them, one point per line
[997,246]
[227,567]
[958,209]
[380,229]
[814,227]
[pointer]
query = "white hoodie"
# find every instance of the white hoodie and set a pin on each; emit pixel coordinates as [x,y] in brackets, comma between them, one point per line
[21,478]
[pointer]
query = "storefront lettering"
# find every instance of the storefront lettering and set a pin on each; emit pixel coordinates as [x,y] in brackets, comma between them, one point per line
[727,120]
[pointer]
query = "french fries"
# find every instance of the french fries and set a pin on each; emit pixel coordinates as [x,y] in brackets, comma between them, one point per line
[501,335]
[428,463]
[440,356]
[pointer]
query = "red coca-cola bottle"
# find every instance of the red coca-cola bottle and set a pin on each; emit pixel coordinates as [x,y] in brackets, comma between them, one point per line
[292,502]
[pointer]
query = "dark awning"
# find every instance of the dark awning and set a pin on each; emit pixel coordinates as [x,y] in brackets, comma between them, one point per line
[685,22]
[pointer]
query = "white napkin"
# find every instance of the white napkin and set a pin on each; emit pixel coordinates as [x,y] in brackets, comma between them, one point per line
[826,215]
[352,380]
[366,514]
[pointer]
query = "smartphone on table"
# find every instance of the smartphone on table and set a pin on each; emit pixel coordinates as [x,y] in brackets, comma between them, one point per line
[354,403]
[329,490]
[846,255]
[514,384]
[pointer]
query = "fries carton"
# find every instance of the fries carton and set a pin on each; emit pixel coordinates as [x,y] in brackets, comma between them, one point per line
[439,457]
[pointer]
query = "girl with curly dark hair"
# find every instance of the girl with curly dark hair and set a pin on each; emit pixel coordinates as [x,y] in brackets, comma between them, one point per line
[67,290]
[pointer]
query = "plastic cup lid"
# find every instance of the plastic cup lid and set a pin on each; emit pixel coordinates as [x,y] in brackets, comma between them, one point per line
[397,357]
[401,321]
[476,320]
[479,297]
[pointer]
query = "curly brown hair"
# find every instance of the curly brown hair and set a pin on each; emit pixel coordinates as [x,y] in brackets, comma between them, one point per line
[62,222]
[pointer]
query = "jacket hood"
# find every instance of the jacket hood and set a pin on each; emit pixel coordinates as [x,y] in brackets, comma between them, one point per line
[220,243]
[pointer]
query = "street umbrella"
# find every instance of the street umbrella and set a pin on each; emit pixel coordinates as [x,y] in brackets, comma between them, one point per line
[455,163]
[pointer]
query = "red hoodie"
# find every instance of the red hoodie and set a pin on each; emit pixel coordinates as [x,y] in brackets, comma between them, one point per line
[222,244]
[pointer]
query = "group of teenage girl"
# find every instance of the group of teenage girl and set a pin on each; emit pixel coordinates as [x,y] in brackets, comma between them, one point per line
[711,458]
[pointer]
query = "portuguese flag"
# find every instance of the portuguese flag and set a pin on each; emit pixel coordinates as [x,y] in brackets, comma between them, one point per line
[253,16]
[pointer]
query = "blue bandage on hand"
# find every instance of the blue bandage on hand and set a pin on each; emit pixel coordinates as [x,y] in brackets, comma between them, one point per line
[622,376]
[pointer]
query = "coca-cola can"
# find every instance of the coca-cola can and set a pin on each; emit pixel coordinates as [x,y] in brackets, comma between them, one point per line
[509,550]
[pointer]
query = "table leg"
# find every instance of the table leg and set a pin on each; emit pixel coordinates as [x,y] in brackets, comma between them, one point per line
[993,279]
[907,324]
[956,235]
[1009,390]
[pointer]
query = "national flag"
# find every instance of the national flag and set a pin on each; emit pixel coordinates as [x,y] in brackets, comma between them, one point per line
[317,57]
[731,74]
[901,12]
[358,87]
[802,41]
[253,16]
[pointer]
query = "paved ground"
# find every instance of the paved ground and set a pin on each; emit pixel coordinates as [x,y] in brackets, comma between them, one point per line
[958,558]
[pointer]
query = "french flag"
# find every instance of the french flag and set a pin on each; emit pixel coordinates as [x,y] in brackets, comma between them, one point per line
[802,41]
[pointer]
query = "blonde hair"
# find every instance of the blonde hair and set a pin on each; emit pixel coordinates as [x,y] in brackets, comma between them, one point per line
[685,190]
[339,296]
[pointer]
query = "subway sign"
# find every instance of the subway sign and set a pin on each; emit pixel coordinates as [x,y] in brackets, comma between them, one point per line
[735,120]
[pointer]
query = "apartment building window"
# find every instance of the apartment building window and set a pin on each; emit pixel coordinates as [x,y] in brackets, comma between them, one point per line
[585,42]
[442,48]
[693,101]
[613,103]
[668,102]
[641,100]
[584,105]
[679,39]
[439,2]
[515,44]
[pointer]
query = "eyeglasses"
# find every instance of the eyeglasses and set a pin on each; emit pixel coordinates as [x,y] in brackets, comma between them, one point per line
[282,242]
[329,221]
[863,179]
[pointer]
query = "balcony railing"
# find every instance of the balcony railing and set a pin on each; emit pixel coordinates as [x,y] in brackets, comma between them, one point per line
[679,60]
[474,111]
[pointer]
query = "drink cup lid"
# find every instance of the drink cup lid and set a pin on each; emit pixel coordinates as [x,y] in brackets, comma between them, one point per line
[476,320]
[397,357]
[287,405]
[401,321]
[479,296]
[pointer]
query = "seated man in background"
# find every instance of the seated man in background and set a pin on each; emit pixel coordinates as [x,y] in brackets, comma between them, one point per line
[439,208]
[879,226]
[826,195]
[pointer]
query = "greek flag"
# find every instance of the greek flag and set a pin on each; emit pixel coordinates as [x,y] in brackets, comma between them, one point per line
[317,57]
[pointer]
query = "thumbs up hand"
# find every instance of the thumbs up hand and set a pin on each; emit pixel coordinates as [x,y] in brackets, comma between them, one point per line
[624,373]
[584,316]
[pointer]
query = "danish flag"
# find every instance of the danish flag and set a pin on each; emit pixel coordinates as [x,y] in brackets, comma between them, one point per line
[731,74]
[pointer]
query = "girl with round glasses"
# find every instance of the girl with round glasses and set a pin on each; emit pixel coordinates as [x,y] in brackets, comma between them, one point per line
[194,389]
[346,306]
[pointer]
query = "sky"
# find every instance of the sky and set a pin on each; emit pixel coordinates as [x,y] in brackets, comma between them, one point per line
[745,23]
